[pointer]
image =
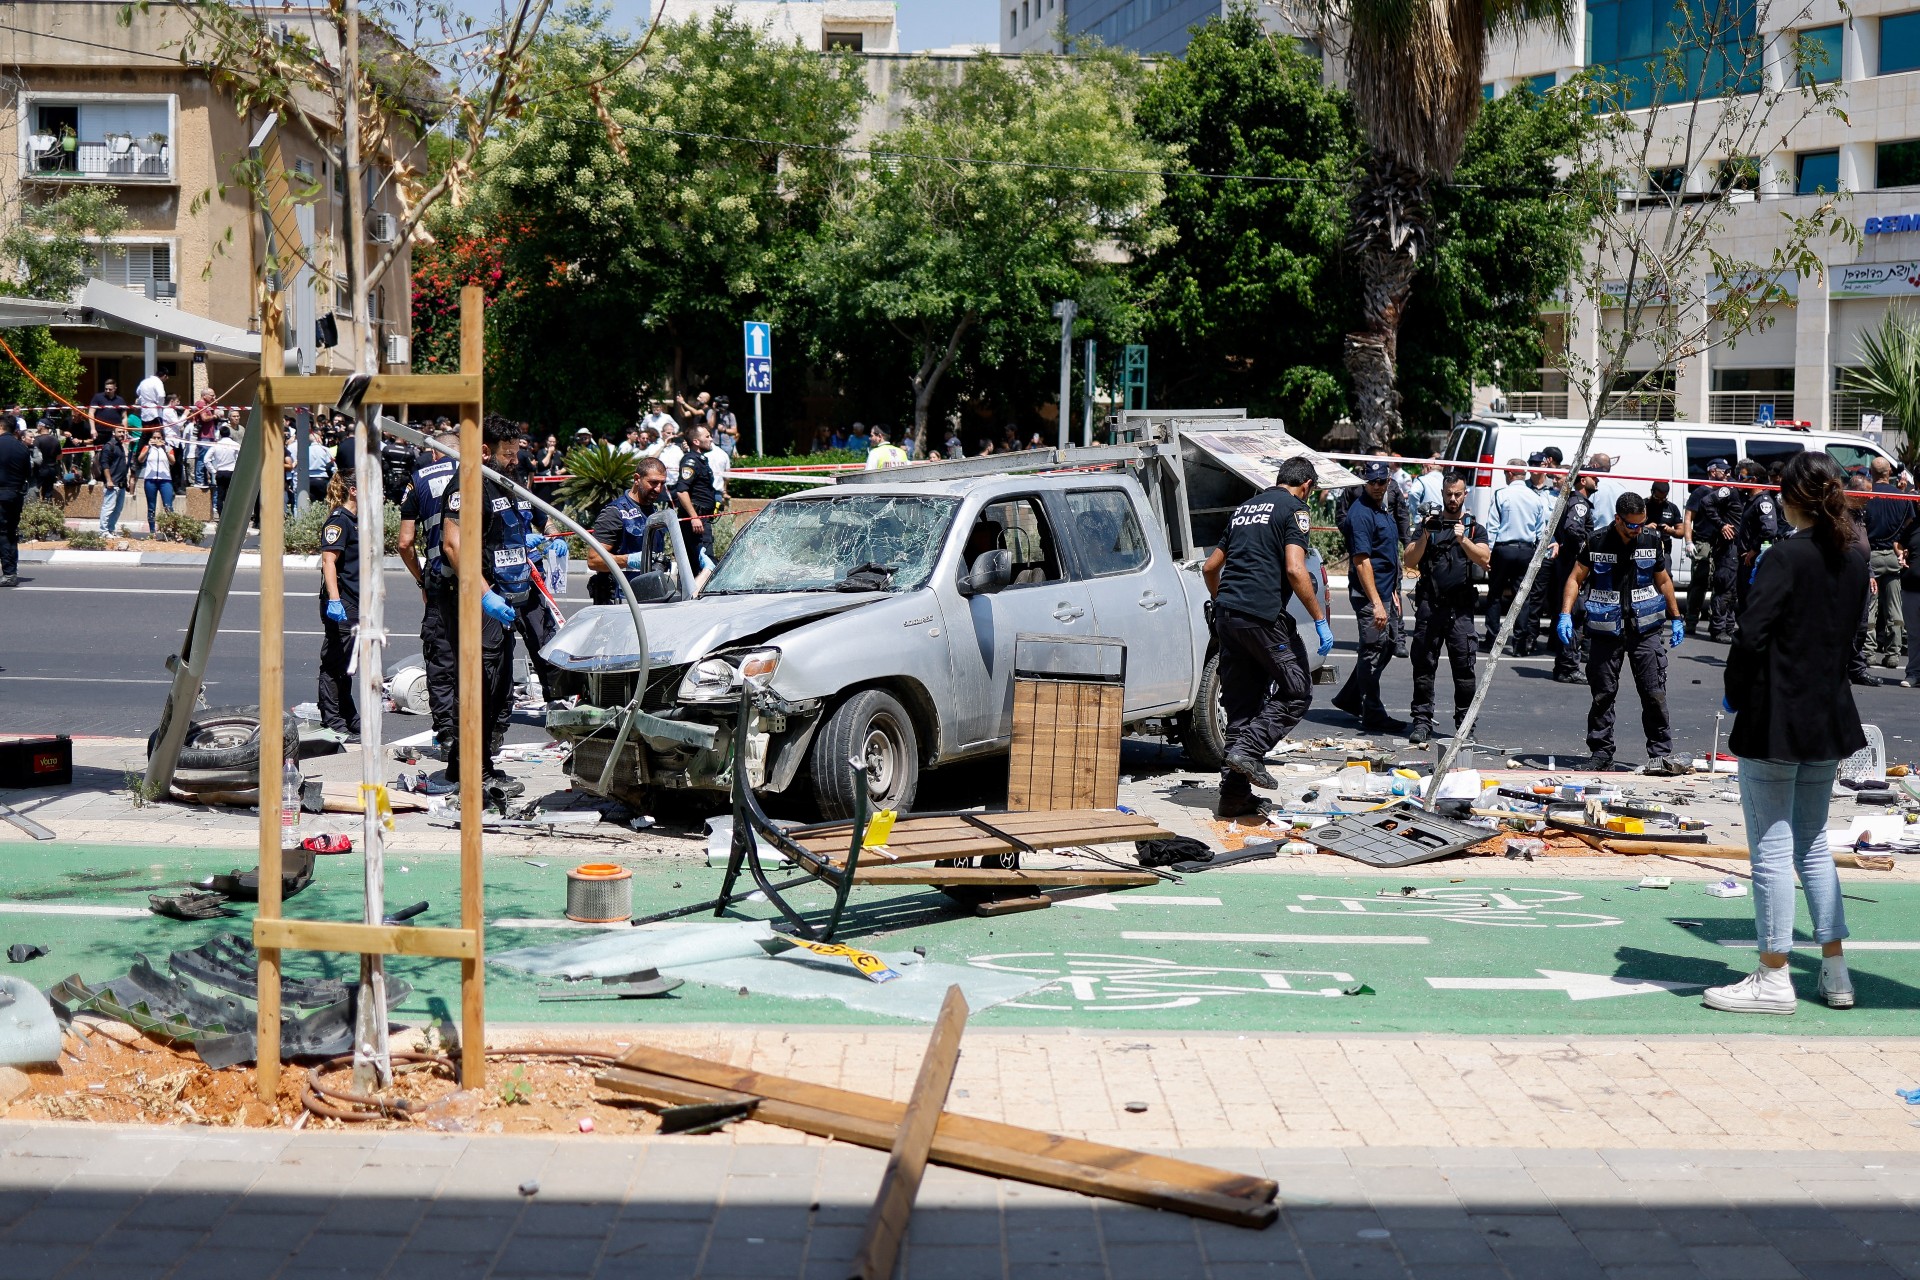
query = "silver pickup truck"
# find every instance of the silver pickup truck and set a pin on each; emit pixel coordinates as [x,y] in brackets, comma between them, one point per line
[884,615]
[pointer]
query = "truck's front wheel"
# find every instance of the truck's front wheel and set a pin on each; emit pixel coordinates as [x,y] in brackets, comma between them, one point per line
[874,728]
[1204,735]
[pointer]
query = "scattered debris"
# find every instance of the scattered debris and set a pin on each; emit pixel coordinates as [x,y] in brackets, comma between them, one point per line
[26,824]
[1397,836]
[21,952]
[296,873]
[645,984]
[29,1031]
[190,904]
[1728,888]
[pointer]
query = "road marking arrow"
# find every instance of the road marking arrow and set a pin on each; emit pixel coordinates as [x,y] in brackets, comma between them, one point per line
[1578,986]
[1109,901]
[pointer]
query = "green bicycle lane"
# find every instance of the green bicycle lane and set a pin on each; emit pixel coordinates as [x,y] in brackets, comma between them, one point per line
[1221,952]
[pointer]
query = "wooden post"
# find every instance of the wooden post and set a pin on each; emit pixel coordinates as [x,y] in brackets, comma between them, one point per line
[912,1144]
[273,609]
[473,726]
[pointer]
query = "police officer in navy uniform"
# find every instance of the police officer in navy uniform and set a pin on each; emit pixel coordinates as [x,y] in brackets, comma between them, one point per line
[339,605]
[1373,587]
[1260,562]
[1632,613]
[695,492]
[1717,509]
[621,528]
[420,551]
[1445,549]
[1569,540]
[503,560]
[1760,524]
[1665,517]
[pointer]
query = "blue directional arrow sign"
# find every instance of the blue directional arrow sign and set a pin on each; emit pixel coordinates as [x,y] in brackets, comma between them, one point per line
[759,352]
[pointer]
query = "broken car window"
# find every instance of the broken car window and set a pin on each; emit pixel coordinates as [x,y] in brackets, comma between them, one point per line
[813,544]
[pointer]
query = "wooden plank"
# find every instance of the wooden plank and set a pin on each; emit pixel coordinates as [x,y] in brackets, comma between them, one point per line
[365,939]
[1723,852]
[677,1093]
[912,1144]
[473,759]
[1013,906]
[962,839]
[1021,824]
[273,621]
[388,388]
[985,1146]
[1105,755]
[978,845]
[991,877]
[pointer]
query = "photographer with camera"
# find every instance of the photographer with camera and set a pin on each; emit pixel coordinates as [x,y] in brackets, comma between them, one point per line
[1445,548]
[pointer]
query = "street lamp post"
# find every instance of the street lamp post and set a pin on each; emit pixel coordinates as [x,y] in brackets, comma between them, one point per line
[1064,311]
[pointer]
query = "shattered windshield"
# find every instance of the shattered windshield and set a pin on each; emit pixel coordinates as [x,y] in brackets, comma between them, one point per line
[856,542]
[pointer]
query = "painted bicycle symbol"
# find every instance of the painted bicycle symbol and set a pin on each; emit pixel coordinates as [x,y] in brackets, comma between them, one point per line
[1095,981]
[1511,908]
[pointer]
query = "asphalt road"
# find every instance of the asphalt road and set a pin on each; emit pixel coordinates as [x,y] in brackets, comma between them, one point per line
[82,650]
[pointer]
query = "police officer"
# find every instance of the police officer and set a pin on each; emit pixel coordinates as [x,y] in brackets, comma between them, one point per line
[536,613]
[1665,518]
[695,492]
[1569,540]
[1519,514]
[506,581]
[1760,524]
[1264,685]
[621,528]
[1716,509]
[339,605]
[1446,547]
[1373,586]
[421,552]
[1631,613]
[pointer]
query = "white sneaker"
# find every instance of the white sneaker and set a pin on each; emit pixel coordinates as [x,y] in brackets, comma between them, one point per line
[1836,984]
[1765,990]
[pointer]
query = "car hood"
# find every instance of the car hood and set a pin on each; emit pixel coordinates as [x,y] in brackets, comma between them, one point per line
[600,637]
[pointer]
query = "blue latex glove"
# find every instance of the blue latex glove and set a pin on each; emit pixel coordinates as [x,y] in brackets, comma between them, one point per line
[1563,628]
[1326,637]
[495,606]
[1727,707]
[537,544]
[335,612]
[1679,631]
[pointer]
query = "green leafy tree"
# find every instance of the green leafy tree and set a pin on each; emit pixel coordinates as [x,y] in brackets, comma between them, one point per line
[47,249]
[1507,234]
[1001,192]
[1888,377]
[1246,301]
[645,224]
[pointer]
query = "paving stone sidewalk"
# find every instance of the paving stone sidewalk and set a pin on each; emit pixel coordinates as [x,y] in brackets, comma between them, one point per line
[201,1204]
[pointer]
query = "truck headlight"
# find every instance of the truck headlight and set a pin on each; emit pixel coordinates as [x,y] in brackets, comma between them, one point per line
[718,679]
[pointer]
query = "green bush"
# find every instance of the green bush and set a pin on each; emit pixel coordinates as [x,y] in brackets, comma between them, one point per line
[742,487]
[303,531]
[87,540]
[178,526]
[42,522]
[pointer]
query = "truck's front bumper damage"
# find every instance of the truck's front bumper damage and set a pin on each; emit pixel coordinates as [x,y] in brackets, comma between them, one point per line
[681,747]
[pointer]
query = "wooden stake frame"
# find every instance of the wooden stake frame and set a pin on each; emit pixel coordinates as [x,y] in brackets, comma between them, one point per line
[273,933]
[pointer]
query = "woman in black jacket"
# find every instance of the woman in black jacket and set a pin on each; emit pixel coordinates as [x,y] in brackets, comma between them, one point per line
[1794,722]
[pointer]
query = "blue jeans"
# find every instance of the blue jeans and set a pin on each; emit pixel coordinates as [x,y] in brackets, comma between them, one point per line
[163,490]
[1785,804]
[112,499]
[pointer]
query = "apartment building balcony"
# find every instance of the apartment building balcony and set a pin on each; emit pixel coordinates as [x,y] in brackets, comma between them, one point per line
[123,159]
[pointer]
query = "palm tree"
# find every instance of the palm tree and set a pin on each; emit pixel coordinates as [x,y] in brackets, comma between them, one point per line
[1414,68]
[1887,379]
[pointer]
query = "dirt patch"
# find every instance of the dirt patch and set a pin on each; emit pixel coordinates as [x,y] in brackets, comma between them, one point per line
[118,543]
[110,1074]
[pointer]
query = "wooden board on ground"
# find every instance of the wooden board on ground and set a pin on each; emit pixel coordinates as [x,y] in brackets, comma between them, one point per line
[982,1146]
[997,878]
[930,838]
[907,1162]
[1066,745]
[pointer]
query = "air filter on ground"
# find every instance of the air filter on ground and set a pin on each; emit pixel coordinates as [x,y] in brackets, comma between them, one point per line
[599,893]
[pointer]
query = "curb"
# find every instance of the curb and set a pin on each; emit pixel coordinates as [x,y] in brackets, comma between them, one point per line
[134,559]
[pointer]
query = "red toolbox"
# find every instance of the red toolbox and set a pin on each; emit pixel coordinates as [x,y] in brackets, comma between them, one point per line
[36,762]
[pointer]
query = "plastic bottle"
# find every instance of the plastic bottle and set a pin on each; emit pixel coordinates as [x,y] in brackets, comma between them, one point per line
[290,805]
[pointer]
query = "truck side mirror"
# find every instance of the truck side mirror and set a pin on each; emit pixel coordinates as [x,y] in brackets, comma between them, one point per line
[992,571]
[653,588]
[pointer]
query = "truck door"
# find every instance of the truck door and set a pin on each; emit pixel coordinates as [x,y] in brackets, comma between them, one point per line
[1044,599]
[1135,593]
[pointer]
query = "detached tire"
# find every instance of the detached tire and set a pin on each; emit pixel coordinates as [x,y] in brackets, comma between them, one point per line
[873,726]
[228,738]
[1204,737]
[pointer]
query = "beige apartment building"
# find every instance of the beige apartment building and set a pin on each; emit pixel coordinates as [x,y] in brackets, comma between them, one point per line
[92,101]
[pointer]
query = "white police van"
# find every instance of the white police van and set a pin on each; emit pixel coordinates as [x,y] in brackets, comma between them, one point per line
[1676,451]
